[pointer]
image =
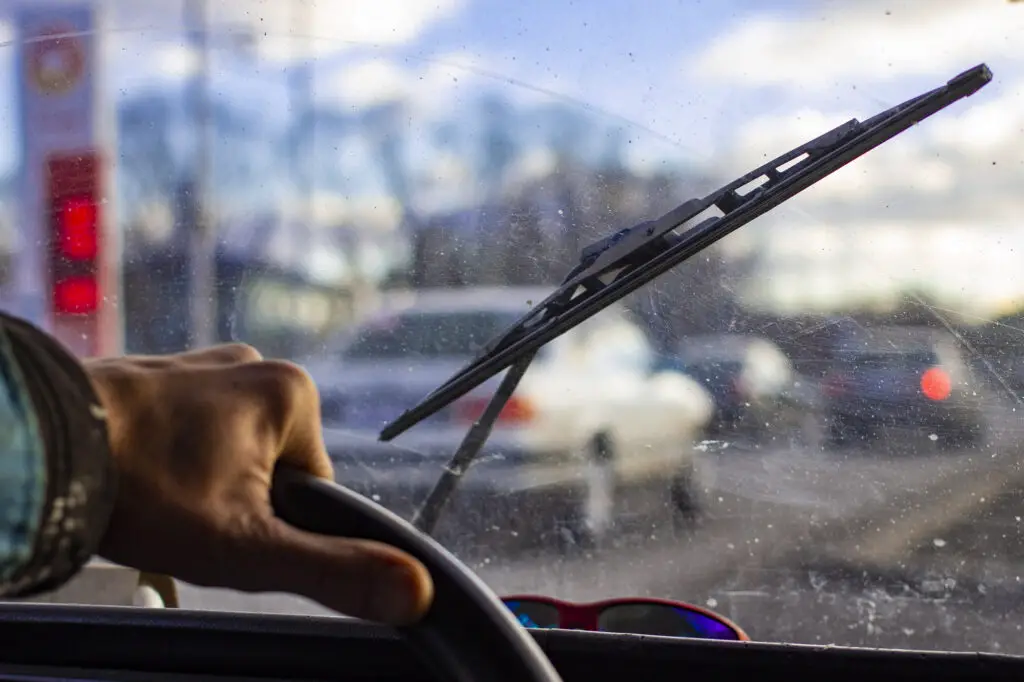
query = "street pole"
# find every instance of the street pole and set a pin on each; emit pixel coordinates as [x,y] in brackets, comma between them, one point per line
[202,234]
[301,92]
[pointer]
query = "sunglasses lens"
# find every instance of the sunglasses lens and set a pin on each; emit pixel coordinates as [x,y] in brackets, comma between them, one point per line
[643,618]
[532,614]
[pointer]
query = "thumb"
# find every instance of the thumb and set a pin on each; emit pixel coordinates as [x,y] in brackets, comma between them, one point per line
[359,578]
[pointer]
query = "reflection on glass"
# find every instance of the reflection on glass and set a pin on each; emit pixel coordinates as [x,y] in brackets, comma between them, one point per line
[428,335]
[885,497]
[533,614]
[639,617]
[662,619]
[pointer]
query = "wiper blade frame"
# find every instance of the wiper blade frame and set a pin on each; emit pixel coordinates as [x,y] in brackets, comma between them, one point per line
[634,256]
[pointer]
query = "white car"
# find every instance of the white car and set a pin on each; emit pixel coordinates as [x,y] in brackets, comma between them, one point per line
[589,424]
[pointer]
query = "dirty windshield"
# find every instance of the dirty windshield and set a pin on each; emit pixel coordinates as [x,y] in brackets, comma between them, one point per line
[426,335]
[811,427]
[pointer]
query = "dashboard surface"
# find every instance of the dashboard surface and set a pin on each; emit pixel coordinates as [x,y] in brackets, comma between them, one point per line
[47,642]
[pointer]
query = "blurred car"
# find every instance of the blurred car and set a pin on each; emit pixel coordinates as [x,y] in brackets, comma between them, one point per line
[756,391]
[588,425]
[904,377]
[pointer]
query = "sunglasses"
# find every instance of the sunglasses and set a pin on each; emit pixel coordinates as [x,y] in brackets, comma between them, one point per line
[626,616]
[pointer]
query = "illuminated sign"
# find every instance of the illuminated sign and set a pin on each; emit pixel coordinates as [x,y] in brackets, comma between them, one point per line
[74,235]
[66,274]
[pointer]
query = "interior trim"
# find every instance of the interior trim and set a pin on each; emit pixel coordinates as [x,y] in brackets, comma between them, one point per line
[316,648]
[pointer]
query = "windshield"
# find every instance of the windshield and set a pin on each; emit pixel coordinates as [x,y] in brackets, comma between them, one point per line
[427,335]
[896,360]
[812,427]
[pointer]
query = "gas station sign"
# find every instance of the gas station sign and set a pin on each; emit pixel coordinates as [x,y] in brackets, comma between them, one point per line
[55,62]
[66,276]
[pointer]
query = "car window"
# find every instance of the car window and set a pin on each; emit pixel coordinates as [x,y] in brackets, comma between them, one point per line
[427,335]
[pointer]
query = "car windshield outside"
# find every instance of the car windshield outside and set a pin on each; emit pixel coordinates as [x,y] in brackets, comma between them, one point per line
[378,188]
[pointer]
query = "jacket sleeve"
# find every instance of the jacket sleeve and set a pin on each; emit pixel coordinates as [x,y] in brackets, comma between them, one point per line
[57,482]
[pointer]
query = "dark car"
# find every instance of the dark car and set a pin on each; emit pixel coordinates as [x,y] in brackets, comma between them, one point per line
[756,391]
[903,377]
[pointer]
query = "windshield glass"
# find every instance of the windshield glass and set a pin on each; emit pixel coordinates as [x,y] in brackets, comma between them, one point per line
[895,360]
[427,335]
[812,427]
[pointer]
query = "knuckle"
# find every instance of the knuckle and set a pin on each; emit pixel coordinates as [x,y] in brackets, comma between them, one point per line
[242,352]
[288,386]
[289,376]
[282,391]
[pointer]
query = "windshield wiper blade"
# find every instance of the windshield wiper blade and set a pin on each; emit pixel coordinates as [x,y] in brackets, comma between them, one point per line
[617,265]
[621,263]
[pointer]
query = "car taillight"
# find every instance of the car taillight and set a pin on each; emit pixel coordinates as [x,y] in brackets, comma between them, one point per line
[936,384]
[516,411]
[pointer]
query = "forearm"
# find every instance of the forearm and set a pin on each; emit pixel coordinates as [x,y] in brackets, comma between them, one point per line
[57,481]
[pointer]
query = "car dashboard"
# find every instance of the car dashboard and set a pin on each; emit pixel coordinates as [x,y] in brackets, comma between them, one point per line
[49,642]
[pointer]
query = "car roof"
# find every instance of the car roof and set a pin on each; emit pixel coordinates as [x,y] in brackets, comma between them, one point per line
[721,346]
[515,300]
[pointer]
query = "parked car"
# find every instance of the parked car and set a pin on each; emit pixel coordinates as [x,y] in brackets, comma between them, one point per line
[588,426]
[757,393]
[904,377]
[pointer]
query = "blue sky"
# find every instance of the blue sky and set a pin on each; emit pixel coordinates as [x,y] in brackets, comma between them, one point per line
[607,56]
[720,83]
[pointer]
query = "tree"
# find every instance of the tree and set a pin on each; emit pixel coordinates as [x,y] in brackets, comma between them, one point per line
[499,148]
[382,126]
[147,169]
[568,131]
[237,137]
[612,160]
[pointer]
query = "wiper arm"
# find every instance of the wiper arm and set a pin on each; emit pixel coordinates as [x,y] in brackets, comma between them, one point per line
[619,264]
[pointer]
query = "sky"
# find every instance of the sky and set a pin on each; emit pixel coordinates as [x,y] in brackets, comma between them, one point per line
[722,84]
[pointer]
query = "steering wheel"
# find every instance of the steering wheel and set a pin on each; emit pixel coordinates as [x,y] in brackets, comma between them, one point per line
[468,634]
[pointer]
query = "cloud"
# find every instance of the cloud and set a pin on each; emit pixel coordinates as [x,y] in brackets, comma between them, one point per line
[424,83]
[961,164]
[991,129]
[285,29]
[374,81]
[866,40]
[956,174]
[288,29]
[897,167]
[277,30]
[175,61]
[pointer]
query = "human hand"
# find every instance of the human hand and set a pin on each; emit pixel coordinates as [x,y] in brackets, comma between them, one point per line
[195,437]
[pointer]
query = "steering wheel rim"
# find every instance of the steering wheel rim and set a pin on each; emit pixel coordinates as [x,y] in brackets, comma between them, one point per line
[468,634]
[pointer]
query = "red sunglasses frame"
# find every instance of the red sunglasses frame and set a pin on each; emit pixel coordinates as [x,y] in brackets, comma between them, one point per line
[583,616]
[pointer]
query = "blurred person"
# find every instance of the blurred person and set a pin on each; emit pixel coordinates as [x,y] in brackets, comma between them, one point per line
[164,464]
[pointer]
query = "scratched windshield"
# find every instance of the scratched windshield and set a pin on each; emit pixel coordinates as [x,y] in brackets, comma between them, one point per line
[427,335]
[811,427]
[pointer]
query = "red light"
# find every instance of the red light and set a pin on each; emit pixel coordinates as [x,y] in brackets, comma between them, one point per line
[935,384]
[516,410]
[77,236]
[76,296]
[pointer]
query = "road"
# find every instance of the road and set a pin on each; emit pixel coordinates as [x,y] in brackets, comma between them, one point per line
[849,548]
[959,588]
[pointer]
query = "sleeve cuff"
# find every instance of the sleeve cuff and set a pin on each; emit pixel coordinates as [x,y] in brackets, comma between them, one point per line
[56,470]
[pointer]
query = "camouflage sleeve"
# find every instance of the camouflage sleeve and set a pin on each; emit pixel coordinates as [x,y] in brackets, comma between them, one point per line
[56,475]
